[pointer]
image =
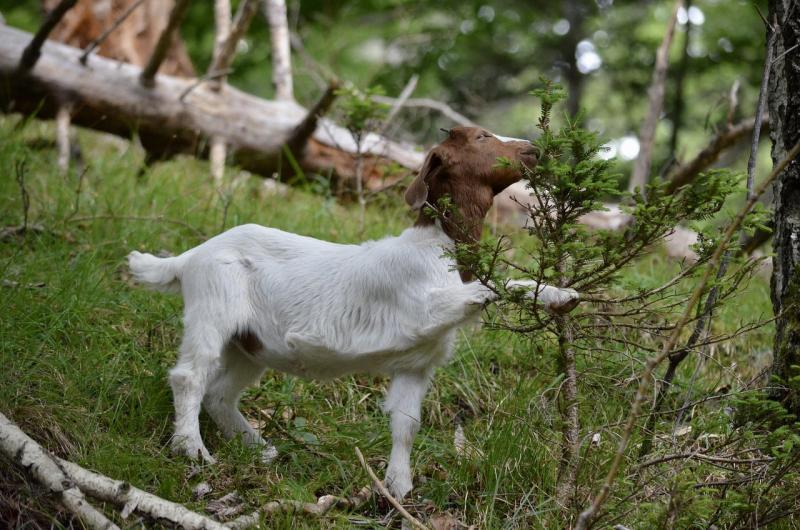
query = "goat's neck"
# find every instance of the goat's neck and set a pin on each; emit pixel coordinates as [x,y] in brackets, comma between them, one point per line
[468,230]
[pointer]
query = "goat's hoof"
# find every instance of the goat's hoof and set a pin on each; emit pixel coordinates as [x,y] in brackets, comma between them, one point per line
[398,482]
[568,299]
[192,450]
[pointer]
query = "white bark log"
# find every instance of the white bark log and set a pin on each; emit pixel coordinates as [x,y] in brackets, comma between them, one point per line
[21,449]
[135,500]
[281,48]
[107,96]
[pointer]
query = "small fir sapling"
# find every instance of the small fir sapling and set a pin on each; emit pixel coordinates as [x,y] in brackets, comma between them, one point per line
[570,181]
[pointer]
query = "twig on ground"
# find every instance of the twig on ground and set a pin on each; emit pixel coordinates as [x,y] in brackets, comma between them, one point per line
[385,492]
[25,452]
[323,505]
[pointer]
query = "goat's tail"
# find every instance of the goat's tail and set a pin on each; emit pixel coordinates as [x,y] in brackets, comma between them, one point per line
[161,274]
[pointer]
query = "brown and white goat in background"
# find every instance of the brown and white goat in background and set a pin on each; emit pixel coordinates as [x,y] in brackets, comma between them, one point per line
[258,298]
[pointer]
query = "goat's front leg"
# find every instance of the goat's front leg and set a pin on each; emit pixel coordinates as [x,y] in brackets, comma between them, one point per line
[404,403]
[559,300]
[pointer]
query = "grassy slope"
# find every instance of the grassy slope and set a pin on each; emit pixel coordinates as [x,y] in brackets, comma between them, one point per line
[84,356]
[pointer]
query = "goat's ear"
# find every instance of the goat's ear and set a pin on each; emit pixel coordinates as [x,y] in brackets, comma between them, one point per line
[417,192]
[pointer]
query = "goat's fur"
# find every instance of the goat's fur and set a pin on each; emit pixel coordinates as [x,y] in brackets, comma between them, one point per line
[258,298]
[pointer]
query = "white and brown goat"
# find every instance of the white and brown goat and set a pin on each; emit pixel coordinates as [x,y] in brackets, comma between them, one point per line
[258,298]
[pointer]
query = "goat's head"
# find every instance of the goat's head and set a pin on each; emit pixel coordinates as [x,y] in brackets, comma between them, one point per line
[464,167]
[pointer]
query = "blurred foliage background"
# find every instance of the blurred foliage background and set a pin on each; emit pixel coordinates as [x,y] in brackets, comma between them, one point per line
[483,58]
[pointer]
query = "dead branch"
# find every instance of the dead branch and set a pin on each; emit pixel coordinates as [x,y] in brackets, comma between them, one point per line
[382,489]
[587,516]
[728,137]
[399,102]
[225,51]
[176,16]
[647,135]
[275,11]
[439,106]
[108,97]
[26,453]
[323,505]
[32,51]
[133,499]
[103,36]
[299,137]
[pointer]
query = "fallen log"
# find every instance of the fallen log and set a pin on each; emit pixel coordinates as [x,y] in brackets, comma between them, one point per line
[106,96]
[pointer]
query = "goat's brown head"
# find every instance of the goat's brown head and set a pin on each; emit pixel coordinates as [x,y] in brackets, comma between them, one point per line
[464,167]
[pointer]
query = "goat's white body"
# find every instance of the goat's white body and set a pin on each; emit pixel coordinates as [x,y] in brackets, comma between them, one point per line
[319,310]
[322,309]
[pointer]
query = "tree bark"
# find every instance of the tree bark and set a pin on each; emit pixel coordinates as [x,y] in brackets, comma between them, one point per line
[784,114]
[107,96]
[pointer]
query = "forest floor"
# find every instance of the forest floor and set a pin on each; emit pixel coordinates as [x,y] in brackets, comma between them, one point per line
[84,356]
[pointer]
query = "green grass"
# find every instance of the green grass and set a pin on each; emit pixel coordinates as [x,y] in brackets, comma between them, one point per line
[84,355]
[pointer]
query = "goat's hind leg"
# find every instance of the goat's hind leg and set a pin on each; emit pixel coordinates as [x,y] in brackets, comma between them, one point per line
[237,372]
[199,357]
[404,403]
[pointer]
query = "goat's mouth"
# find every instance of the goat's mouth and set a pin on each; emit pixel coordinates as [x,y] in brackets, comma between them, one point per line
[530,156]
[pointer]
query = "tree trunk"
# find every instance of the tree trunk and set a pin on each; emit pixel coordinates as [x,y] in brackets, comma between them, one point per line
[106,95]
[784,115]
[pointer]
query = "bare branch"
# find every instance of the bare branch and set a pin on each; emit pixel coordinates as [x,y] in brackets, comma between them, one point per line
[647,135]
[302,133]
[400,101]
[323,505]
[224,52]
[438,106]
[275,11]
[381,488]
[33,50]
[148,75]
[26,453]
[710,154]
